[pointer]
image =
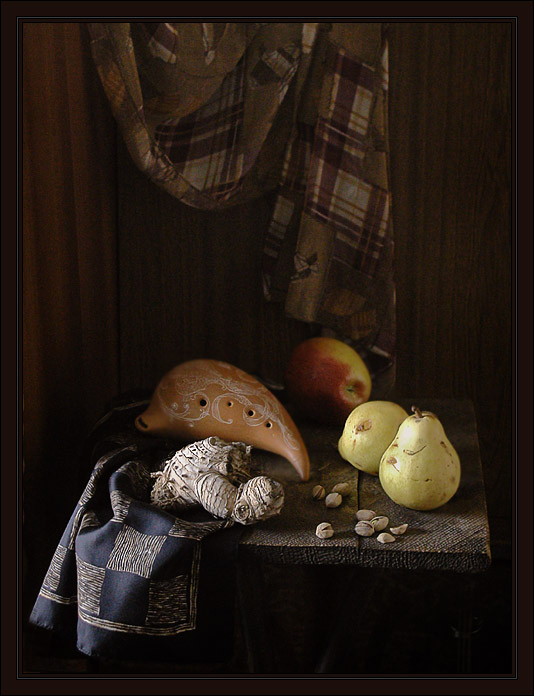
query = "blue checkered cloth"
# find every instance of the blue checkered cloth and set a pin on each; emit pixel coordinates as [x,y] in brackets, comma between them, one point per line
[135,581]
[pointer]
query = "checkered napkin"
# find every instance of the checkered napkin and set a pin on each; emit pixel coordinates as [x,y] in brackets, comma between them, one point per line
[138,582]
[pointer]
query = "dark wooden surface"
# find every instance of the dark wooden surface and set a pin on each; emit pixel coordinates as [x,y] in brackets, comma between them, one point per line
[454,537]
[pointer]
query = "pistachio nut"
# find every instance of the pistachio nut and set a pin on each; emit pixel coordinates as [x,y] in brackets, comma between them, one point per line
[324,530]
[385,538]
[318,492]
[364,528]
[333,500]
[380,522]
[365,515]
[343,488]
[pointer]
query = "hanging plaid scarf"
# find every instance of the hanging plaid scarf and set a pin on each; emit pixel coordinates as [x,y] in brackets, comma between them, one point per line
[218,113]
[329,247]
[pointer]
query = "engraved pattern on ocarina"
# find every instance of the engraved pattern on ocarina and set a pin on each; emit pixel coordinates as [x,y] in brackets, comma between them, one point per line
[203,397]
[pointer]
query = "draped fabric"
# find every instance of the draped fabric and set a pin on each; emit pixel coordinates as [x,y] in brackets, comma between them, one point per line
[219,113]
[129,579]
[329,246]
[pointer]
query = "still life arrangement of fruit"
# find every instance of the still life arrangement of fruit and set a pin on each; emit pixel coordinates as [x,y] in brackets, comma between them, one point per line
[328,383]
[417,465]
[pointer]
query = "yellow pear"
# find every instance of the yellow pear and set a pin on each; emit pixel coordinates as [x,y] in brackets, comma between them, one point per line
[420,469]
[368,430]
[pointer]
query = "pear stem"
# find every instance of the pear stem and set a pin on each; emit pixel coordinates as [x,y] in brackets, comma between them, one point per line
[417,412]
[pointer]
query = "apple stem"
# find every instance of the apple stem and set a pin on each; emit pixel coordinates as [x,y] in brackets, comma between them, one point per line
[417,412]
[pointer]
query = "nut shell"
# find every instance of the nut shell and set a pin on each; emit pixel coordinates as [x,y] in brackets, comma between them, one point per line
[364,528]
[399,530]
[379,522]
[385,538]
[365,515]
[324,530]
[318,492]
[343,488]
[333,500]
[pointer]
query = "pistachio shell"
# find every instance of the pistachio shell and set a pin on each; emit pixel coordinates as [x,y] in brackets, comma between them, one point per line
[324,530]
[318,492]
[365,515]
[385,538]
[380,522]
[333,500]
[364,528]
[343,488]
[399,530]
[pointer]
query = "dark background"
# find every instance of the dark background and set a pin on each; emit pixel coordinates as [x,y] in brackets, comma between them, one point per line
[121,282]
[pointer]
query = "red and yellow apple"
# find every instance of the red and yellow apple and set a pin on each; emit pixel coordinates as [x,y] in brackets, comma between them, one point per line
[326,379]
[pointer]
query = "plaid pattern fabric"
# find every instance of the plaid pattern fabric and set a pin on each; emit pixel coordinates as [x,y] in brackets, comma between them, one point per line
[330,169]
[281,218]
[358,244]
[295,171]
[202,146]
[276,66]
[161,39]
[129,573]
[201,156]
[288,205]
[338,192]
[326,179]
[211,110]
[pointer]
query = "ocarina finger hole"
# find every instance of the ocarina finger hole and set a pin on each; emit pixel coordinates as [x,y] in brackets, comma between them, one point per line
[268,425]
[203,402]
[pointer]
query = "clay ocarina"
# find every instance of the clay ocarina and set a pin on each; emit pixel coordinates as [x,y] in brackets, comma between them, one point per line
[200,398]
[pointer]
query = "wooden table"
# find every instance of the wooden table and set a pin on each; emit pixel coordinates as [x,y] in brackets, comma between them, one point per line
[452,538]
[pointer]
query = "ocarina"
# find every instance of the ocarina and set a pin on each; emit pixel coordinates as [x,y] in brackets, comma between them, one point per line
[200,398]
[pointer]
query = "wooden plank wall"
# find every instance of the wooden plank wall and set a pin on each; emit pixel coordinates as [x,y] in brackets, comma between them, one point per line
[451,178]
[190,285]
[190,280]
[69,321]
